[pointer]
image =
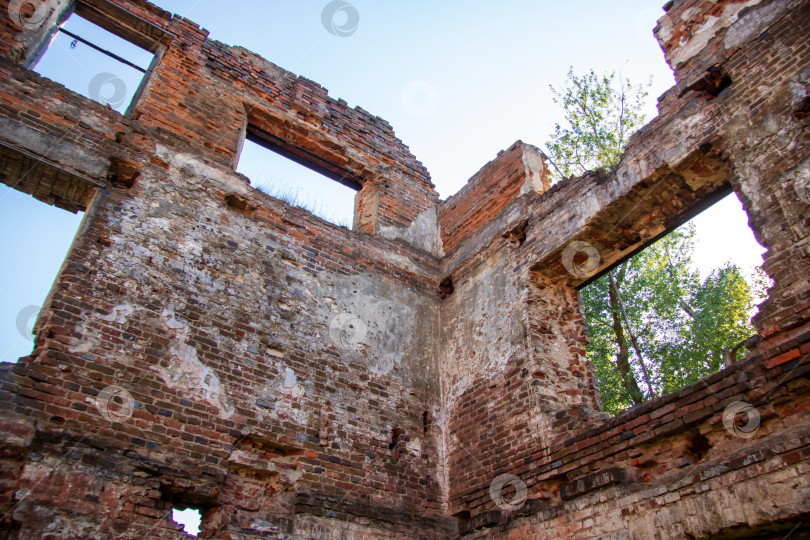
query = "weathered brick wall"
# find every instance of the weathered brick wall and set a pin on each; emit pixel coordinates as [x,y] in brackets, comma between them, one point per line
[222,312]
[263,347]
[669,468]
[206,344]
[25,24]
[517,170]
[204,93]
[765,113]
[233,87]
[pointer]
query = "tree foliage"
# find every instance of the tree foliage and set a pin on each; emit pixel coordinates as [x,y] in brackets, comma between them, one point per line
[686,327]
[600,116]
[655,325]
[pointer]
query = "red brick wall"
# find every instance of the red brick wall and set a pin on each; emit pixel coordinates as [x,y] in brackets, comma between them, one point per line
[649,466]
[519,169]
[291,377]
[181,270]
[202,94]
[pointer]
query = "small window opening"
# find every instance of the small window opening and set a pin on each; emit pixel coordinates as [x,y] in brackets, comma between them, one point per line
[297,184]
[96,63]
[677,311]
[189,518]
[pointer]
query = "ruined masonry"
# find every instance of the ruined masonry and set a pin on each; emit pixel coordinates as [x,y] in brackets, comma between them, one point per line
[208,346]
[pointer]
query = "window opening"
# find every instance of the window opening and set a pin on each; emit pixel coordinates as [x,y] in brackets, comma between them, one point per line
[297,184]
[189,518]
[34,254]
[677,311]
[96,63]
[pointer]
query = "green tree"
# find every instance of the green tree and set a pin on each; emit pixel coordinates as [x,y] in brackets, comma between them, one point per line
[686,327]
[600,116]
[655,325]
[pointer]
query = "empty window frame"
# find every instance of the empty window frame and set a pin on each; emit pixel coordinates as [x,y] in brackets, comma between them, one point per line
[33,256]
[677,311]
[302,180]
[98,63]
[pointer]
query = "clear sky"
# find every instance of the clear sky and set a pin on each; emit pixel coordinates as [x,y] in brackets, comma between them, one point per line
[458,80]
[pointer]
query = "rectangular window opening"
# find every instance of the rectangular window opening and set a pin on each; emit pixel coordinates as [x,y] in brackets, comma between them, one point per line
[300,180]
[97,63]
[34,253]
[677,311]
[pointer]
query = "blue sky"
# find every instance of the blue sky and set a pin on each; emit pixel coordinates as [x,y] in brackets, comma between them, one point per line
[458,81]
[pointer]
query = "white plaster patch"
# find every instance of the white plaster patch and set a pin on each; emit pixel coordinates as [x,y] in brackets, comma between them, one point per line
[83,347]
[480,338]
[677,153]
[198,172]
[288,387]
[290,379]
[119,313]
[189,247]
[422,233]
[171,319]
[385,320]
[533,161]
[754,23]
[347,331]
[186,372]
[89,341]
[663,32]
[700,36]
[100,125]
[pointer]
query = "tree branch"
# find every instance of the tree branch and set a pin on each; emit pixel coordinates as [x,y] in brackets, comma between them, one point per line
[554,165]
[687,309]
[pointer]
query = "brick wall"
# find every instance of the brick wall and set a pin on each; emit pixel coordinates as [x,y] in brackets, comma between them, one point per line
[518,170]
[208,345]
[205,300]
[256,340]
[527,413]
